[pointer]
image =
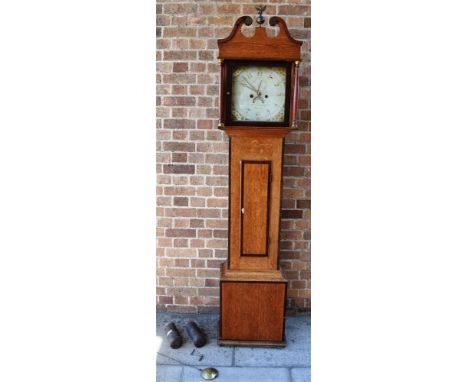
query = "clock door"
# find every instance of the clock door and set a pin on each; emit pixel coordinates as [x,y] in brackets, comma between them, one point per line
[255,202]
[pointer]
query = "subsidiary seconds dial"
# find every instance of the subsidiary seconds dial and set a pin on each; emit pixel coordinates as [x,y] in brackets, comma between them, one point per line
[258,93]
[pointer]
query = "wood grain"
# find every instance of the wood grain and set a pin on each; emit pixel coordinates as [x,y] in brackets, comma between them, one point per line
[260,46]
[275,275]
[254,148]
[255,207]
[252,311]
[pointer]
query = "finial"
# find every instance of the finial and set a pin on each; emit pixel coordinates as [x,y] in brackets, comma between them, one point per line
[260,19]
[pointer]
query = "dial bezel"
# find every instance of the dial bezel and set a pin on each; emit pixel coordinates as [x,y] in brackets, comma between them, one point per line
[231,66]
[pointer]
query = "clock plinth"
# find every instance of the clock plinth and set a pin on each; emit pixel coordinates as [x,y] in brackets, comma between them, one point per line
[252,308]
[258,102]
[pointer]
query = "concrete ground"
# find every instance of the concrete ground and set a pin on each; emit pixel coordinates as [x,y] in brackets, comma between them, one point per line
[235,364]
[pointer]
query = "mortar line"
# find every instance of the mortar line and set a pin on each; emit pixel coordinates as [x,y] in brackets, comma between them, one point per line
[181,378]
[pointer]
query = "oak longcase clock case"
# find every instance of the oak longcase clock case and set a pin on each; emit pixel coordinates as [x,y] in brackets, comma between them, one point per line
[258,103]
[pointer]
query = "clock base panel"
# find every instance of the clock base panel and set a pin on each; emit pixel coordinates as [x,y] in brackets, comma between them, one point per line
[252,311]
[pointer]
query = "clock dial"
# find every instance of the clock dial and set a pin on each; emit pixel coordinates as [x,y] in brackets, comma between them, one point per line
[258,93]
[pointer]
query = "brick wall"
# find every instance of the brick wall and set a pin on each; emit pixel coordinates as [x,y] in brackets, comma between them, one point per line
[192,155]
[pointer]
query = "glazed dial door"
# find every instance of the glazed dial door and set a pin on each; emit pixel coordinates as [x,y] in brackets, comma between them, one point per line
[258,93]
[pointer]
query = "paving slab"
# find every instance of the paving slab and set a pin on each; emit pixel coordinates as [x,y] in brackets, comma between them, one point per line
[168,373]
[241,374]
[301,374]
[298,331]
[295,354]
[271,357]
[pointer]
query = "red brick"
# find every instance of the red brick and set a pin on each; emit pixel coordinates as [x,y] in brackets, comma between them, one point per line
[212,90]
[217,158]
[197,136]
[294,149]
[208,213]
[293,171]
[179,78]
[179,32]
[179,101]
[180,67]
[196,263]
[197,89]
[170,55]
[212,112]
[221,191]
[300,10]
[208,291]
[180,232]
[179,146]
[303,204]
[179,112]
[203,169]
[205,124]
[180,43]
[211,282]
[197,67]
[197,180]
[179,157]
[216,223]
[180,201]
[165,299]
[204,233]
[197,243]
[179,169]
[181,243]
[197,202]
[206,55]
[220,20]
[206,32]
[205,101]
[162,20]
[178,9]
[217,202]
[204,191]
[221,170]
[197,223]
[179,124]
[181,211]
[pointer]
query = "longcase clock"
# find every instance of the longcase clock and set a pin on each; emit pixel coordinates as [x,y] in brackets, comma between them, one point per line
[258,103]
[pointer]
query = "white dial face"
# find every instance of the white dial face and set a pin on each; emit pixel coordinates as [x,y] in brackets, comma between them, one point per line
[258,93]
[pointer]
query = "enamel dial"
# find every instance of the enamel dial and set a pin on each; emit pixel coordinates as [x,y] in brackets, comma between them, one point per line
[258,93]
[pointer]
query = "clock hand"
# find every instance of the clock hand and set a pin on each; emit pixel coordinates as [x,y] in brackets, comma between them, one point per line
[249,85]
